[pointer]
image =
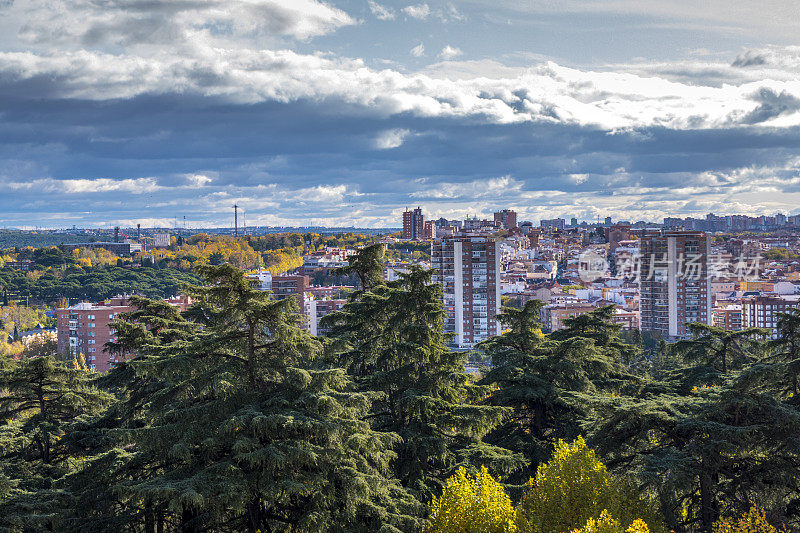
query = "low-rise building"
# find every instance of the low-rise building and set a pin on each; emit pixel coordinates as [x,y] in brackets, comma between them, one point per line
[554,314]
[763,311]
[86,327]
[728,316]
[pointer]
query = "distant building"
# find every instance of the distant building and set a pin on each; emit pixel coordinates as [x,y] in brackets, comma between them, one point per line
[616,234]
[555,223]
[326,260]
[162,240]
[86,328]
[674,286]
[475,224]
[413,225]
[118,248]
[24,266]
[286,286]
[506,219]
[429,231]
[553,315]
[316,309]
[328,291]
[468,267]
[762,311]
[728,317]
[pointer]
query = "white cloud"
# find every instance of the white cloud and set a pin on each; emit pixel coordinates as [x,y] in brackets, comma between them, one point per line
[418,51]
[449,52]
[381,12]
[84,186]
[198,180]
[546,92]
[391,139]
[153,24]
[419,11]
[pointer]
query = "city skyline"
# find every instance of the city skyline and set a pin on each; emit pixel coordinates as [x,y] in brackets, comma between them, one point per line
[122,113]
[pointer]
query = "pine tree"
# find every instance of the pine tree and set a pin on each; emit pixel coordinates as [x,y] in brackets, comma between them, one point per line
[241,433]
[391,339]
[550,383]
[43,413]
[715,351]
[368,265]
[727,441]
[786,351]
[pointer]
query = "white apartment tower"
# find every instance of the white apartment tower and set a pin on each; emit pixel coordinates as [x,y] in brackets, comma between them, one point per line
[468,267]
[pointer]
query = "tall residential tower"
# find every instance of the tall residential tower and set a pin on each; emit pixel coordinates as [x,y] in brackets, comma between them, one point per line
[674,282]
[413,225]
[468,267]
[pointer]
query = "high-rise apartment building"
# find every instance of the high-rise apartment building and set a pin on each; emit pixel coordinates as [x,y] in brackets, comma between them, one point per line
[674,282]
[468,267]
[506,219]
[413,225]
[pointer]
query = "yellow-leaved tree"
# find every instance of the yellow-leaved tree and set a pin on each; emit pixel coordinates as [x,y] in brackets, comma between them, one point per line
[605,523]
[753,521]
[575,487]
[472,504]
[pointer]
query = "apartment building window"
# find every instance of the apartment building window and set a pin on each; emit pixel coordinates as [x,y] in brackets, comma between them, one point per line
[91,324]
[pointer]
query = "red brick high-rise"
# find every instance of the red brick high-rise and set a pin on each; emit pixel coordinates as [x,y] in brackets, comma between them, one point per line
[413,225]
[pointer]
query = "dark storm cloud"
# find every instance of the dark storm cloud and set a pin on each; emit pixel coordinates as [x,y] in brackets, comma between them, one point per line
[160,144]
[771,105]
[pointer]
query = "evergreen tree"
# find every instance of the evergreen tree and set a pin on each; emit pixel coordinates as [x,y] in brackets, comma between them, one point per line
[240,433]
[391,339]
[715,351]
[786,352]
[729,440]
[368,265]
[550,383]
[43,413]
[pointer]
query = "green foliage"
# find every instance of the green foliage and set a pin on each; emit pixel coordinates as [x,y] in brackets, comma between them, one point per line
[551,383]
[719,431]
[96,283]
[44,411]
[367,264]
[242,432]
[391,339]
[472,504]
[780,254]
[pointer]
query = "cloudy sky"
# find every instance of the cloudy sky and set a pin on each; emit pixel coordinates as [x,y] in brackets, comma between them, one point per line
[345,112]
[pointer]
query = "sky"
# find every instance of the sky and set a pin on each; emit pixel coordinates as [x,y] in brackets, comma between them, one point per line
[347,112]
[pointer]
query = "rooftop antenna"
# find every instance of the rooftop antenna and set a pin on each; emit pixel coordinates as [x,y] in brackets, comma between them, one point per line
[235,220]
